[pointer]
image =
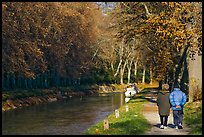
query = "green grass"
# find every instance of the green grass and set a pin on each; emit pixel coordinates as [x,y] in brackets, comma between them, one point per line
[193,117]
[129,123]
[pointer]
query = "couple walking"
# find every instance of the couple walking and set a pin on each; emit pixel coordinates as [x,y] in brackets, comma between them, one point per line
[175,100]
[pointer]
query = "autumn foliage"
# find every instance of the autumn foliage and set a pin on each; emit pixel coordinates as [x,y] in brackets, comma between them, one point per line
[62,43]
[53,38]
[166,28]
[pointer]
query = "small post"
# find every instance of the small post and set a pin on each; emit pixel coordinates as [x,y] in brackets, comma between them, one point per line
[116,113]
[126,108]
[127,99]
[106,124]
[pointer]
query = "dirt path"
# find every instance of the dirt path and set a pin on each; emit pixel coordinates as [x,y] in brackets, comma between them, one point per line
[150,111]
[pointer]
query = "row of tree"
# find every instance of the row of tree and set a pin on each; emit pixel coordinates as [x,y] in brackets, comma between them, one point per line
[48,43]
[164,36]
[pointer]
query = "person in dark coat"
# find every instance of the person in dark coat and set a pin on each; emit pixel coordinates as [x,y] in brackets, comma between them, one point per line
[136,88]
[164,106]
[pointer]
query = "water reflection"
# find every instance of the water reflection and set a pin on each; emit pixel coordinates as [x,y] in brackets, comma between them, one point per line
[65,117]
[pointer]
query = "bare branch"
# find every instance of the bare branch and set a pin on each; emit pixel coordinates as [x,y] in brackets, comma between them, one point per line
[147,11]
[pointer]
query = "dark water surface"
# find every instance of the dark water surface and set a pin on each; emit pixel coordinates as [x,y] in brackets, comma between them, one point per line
[71,116]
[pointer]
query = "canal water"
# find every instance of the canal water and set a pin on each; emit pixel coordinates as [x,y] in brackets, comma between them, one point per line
[71,116]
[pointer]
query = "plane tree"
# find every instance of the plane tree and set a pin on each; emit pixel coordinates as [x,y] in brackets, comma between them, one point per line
[173,27]
[47,44]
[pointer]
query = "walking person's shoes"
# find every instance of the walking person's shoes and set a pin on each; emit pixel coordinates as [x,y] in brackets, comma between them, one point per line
[176,127]
[165,127]
[180,126]
[161,127]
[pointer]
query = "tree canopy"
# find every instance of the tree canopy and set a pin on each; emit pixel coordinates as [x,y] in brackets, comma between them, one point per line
[42,36]
[166,27]
[75,40]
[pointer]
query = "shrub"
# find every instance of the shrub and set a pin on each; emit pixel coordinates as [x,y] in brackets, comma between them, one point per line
[197,94]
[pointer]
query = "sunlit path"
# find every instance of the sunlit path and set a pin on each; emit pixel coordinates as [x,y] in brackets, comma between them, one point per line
[151,114]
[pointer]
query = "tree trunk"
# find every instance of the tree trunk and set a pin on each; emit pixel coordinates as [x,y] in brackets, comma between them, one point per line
[12,81]
[170,79]
[30,83]
[143,76]
[195,75]
[160,84]
[2,79]
[135,70]
[185,78]
[69,81]
[129,73]
[179,67]
[129,66]
[38,81]
[19,81]
[121,76]
[33,81]
[25,83]
[121,52]
[46,79]
[151,76]
[7,81]
[79,81]
[42,80]
[49,78]
[112,68]
[122,70]
[56,79]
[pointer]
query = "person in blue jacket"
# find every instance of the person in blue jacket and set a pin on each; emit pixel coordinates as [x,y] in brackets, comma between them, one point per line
[177,100]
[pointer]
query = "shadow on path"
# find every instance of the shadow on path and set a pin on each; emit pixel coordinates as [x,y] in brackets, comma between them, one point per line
[158,125]
[150,94]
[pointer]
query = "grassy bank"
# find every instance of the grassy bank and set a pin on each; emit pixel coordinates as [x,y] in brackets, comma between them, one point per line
[19,93]
[23,98]
[193,117]
[131,122]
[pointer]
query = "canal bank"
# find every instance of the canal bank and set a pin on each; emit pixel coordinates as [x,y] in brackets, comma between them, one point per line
[128,121]
[24,98]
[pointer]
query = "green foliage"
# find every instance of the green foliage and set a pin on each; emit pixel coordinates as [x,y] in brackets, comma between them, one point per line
[100,76]
[193,117]
[5,96]
[197,94]
[147,77]
[139,75]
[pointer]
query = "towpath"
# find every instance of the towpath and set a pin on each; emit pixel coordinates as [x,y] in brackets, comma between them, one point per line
[150,112]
